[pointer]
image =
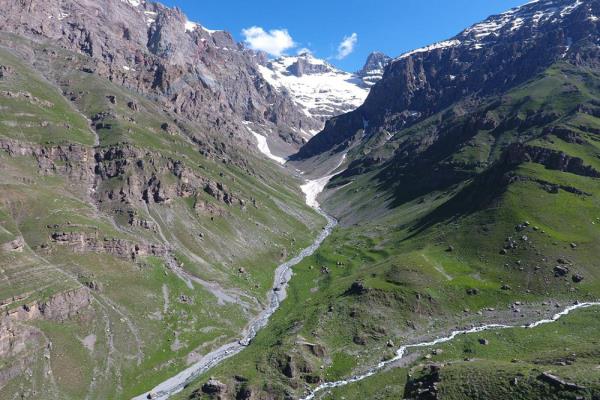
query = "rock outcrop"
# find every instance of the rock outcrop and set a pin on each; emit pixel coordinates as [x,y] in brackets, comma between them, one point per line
[374,67]
[486,59]
[82,242]
[201,74]
[20,341]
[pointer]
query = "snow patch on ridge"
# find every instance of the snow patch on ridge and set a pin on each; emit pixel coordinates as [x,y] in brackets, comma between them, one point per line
[439,45]
[569,9]
[150,17]
[510,22]
[133,3]
[192,26]
[263,146]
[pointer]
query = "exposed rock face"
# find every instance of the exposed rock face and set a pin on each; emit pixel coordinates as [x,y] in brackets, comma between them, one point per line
[556,381]
[145,172]
[19,341]
[551,159]
[303,66]
[426,387]
[374,67]
[73,161]
[484,60]
[14,245]
[82,242]
[215,388]
[65,305]
[201,74]
[140,174]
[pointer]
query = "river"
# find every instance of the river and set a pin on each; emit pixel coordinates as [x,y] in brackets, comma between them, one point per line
[401,352]
[283,274]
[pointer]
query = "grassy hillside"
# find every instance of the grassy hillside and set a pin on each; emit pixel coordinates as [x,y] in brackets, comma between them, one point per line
[105,196]
[481,213]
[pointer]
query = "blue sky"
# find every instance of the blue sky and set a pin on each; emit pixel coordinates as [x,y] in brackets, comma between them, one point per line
[391,26]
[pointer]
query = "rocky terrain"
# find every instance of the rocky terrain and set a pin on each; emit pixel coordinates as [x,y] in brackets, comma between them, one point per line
[374,67]
[136,211]
[202,75]
[146,204]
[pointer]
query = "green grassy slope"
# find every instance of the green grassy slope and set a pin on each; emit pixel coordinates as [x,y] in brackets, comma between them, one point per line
[145,323]
[448,223]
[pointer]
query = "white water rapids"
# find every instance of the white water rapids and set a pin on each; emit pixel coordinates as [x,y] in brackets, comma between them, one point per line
[400,353]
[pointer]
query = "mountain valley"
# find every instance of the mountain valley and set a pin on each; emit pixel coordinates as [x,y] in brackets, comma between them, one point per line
[184,217]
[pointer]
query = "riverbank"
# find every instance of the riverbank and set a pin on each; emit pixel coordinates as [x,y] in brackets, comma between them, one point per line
[283,275]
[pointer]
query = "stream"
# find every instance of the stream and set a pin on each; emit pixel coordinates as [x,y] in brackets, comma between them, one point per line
[283,274]
[401,352]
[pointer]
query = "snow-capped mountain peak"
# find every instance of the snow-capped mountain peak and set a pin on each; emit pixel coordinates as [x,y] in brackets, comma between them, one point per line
[531,16]
[321,89]
[374,67]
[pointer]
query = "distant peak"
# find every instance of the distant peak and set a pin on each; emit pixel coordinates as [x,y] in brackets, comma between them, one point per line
[374,67]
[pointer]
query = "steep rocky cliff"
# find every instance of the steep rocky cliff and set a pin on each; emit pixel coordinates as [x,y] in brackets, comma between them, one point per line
[194,72]
[139,224]
[484,60]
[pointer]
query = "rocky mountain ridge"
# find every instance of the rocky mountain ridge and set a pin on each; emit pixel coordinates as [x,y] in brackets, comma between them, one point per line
[483,60]
[128,169]
[374,67]
[194,72]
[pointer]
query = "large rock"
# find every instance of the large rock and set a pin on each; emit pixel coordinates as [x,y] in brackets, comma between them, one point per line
[214,387]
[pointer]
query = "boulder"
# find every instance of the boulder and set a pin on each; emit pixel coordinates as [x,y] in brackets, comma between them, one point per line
[214,387]
[359,340]
[560,270]
[357,288]
[556,381]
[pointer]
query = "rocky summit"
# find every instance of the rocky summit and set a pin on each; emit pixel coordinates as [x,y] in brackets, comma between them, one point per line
[186,216]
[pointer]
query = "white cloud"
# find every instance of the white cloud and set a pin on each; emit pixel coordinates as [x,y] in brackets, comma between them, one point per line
[275,42]
[346,47]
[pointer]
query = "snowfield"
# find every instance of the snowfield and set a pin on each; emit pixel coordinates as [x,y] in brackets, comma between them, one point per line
[320,94]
